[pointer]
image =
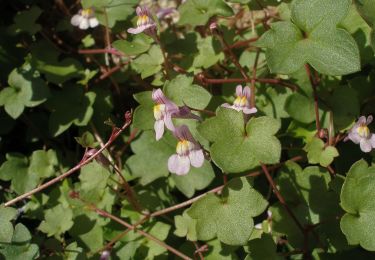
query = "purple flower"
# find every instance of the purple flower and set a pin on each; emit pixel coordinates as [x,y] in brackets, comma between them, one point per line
[188,151]
[242,101]
[360,134]
[85,19]
[145,23]
[163,111]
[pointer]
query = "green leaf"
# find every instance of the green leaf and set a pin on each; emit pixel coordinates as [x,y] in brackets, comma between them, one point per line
[143,117]
[326,48]
[45,58]
[116,10]
[6,230]
[236,150]
[140,44]
[367,10]
[181,90]
[93,179]
[43,163]
[263,248]
[228,217]
[208,53]
[157,154]
[57,220]
[300,108]
[198,12]
[25,21]
[317,152]
[185,227]
[15,168]
[25,89]
[20,248]
[70,106]
[196,179]
[87,140]
[357,200]
[150,63]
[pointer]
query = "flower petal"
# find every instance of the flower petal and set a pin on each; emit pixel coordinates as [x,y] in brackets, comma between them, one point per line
[84,24]
[247,93]
[361,121]
[248,111]
[179,165]
[369,120]
[93,22]
[239,90]
[196,158]
[365,145]
[354,136]
[226,105]
[168,122]
[372,140]
[135,30]
[159,129]
[76,20]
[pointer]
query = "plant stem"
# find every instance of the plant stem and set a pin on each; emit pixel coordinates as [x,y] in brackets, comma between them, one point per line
[253,79]
[316,106]
[75,168]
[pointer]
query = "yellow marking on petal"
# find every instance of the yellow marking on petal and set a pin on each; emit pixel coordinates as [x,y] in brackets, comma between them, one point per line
[363,131]
[240,101]
[159,110]
[184,147]
[143,20]
[87,12]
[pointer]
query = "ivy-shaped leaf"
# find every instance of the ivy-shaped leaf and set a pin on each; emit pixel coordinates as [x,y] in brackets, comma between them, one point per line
[140,44]
[143,117]
[367,10]
[185,226]
[236,147]
[198,12]
[318,153]
[208,53]
[20,247]
[230,216]
[43,163]
[70,106]
[25,89]
[357,199]
[312,37]
[150,63]
[57,220]
[6,227]
[181,90]
[263,248]
[25,21]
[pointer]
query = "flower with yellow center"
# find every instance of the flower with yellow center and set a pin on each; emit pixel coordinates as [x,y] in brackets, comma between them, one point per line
[360,134]
[242,101]
[188,152]
[145,23]
[85,19]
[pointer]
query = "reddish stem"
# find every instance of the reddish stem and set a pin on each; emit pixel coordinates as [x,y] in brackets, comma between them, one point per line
[99,51]
[316,106]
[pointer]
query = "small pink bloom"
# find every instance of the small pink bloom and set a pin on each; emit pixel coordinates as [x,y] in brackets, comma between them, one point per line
[242,101]
[360,134]
[145,23]
[164,110]
[188,152]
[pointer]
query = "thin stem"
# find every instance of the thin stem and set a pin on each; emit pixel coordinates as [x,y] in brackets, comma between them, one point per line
[100,51]
[143,233]
[85,161]
[253,79]
[314,85]
[281,198]
[164,53]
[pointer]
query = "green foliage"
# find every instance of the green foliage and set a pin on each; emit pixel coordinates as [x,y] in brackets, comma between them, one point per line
[229,217]
[63,95]
[318,153]
[238,147]
[312,37]
[356,199]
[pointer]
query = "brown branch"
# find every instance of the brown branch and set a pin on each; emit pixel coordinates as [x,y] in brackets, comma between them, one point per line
[85,161]
[101,51]
[253,79]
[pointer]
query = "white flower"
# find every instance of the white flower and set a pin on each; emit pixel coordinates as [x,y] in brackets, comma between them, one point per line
[85,19]
[242,101]
[360,134]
